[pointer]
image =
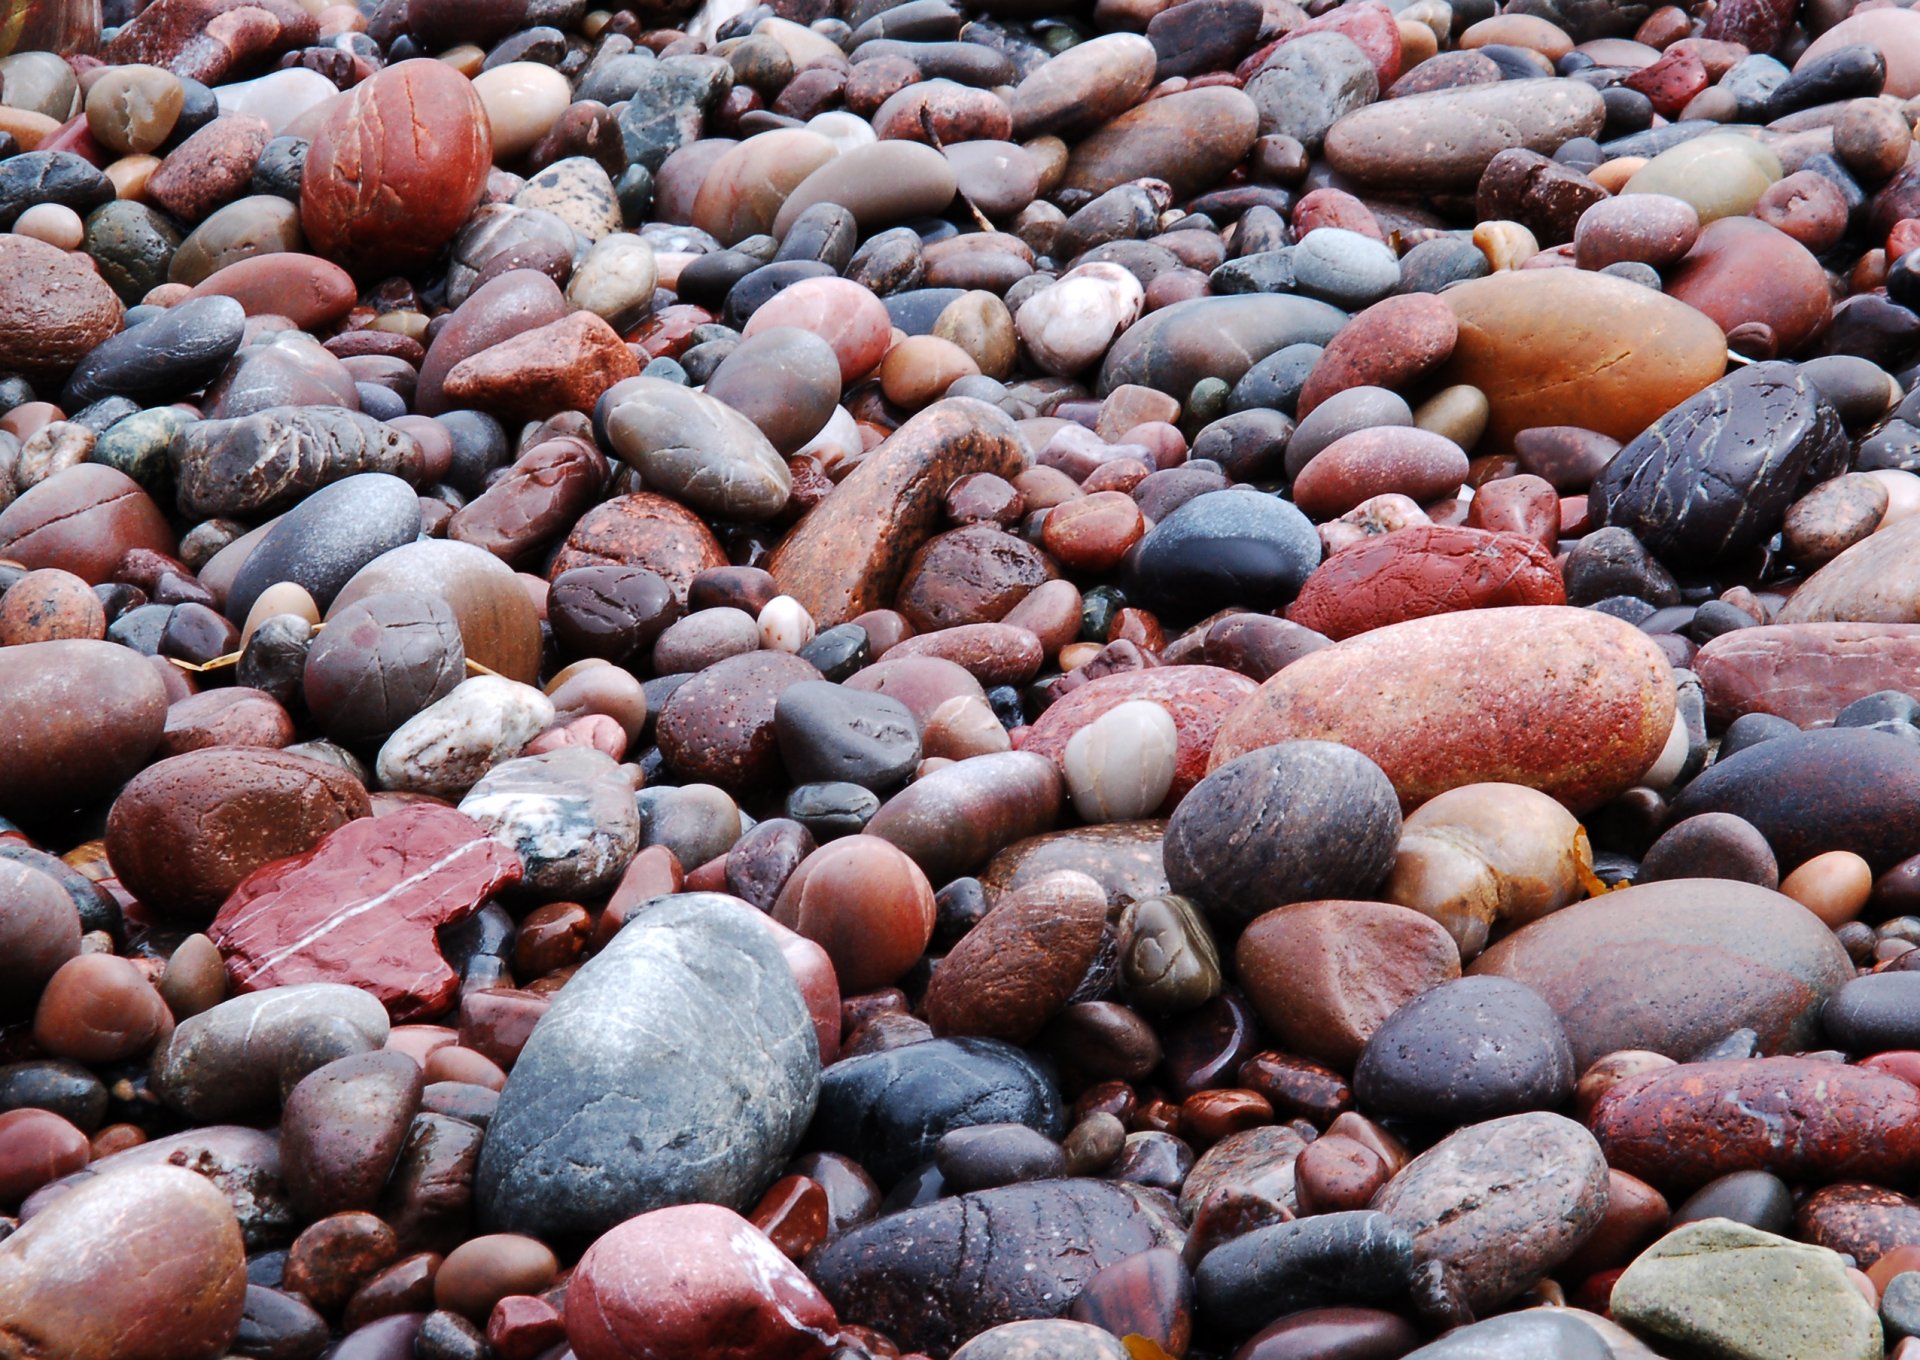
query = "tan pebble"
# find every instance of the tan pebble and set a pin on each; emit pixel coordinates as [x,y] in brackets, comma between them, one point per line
[1833,886]
[1613,175]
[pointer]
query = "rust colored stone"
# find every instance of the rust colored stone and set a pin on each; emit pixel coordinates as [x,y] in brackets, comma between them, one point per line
[1804,672]
[1579,706]
[849,554]
[1390,344]
[1799,1118]
[644,530]
[1010,974]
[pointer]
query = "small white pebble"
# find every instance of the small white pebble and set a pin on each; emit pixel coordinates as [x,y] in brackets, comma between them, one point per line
[785,625]
[54,223]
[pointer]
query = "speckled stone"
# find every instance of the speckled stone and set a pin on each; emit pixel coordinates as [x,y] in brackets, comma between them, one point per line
[568,814]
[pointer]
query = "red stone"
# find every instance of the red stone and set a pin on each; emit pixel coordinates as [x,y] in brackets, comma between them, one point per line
[793,1215]
[1421,571]
[1390,344]
[362,909]
[1802,1119]
[1197,698]
[523,1326]
[1372,462]
[395,168]
[1804,672]
[1671,81]
[1526,505]
[208,40]
[696,1282]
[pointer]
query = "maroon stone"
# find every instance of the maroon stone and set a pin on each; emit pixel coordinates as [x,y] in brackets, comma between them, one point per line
[363,907]
[1421,571]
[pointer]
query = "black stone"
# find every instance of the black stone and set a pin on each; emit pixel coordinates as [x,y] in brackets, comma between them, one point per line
[1225,547]
[888,1110]
[1359,1257]
[1464,1052]
[828,732]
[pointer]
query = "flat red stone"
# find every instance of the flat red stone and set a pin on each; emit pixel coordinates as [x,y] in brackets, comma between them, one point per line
[362,908]
[1804,672]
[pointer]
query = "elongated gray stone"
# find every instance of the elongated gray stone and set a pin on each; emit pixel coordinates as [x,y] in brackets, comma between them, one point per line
[678,1066]
[698,450]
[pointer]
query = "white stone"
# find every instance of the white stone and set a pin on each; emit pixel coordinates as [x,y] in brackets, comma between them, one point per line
[1120,766]
[1069,325]
[523,100]
[448,746]
[278,98]
[785,625]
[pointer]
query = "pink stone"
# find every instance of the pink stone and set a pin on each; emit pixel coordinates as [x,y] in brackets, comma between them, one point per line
[1804,672]
[362,909]
[845,315]
[694,1282]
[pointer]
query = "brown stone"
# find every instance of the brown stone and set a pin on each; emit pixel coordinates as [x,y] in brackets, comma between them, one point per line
[1581,732]
[1384,460]
[1445,139]
[644,530]
[92,713]
[718,727]
[1872,582]
[1325,975]
[974,574]
[1862,1221]
[50,605]
[148,1266]
[743,192]
[850,553]
[1190,140]
[1672,966]
[1566,347]
[1122,857]
[1013,971]
[495,615]
[211,168]
[186,831]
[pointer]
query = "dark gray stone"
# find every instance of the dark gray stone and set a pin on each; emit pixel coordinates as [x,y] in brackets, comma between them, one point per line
[888,1110]
[241,1057]
[1252,549]
[182,349]
[829,732]
[1293,822]
[1346,1258]
[678,1065]
[1875,1013]
[271,460]
[935,1275]
[1466,1051]
[324,540]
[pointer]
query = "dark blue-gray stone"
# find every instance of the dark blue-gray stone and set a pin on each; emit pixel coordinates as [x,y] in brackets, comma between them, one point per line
[935,1275]
[1468,1050]
[887,1110]
[1348,1258]
[829,732]
[61,177]
[182,349]
[324,540]
[1237,547]
[1214,337]
[677,1066]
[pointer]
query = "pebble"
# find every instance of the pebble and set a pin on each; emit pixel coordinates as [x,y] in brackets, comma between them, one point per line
[1743,1292]
[1029,502]
[1427,751]
[1500,1204]
[563,1160]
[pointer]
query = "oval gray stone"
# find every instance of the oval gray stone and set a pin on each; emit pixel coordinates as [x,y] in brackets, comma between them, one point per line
[697,450]
[678,1066]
